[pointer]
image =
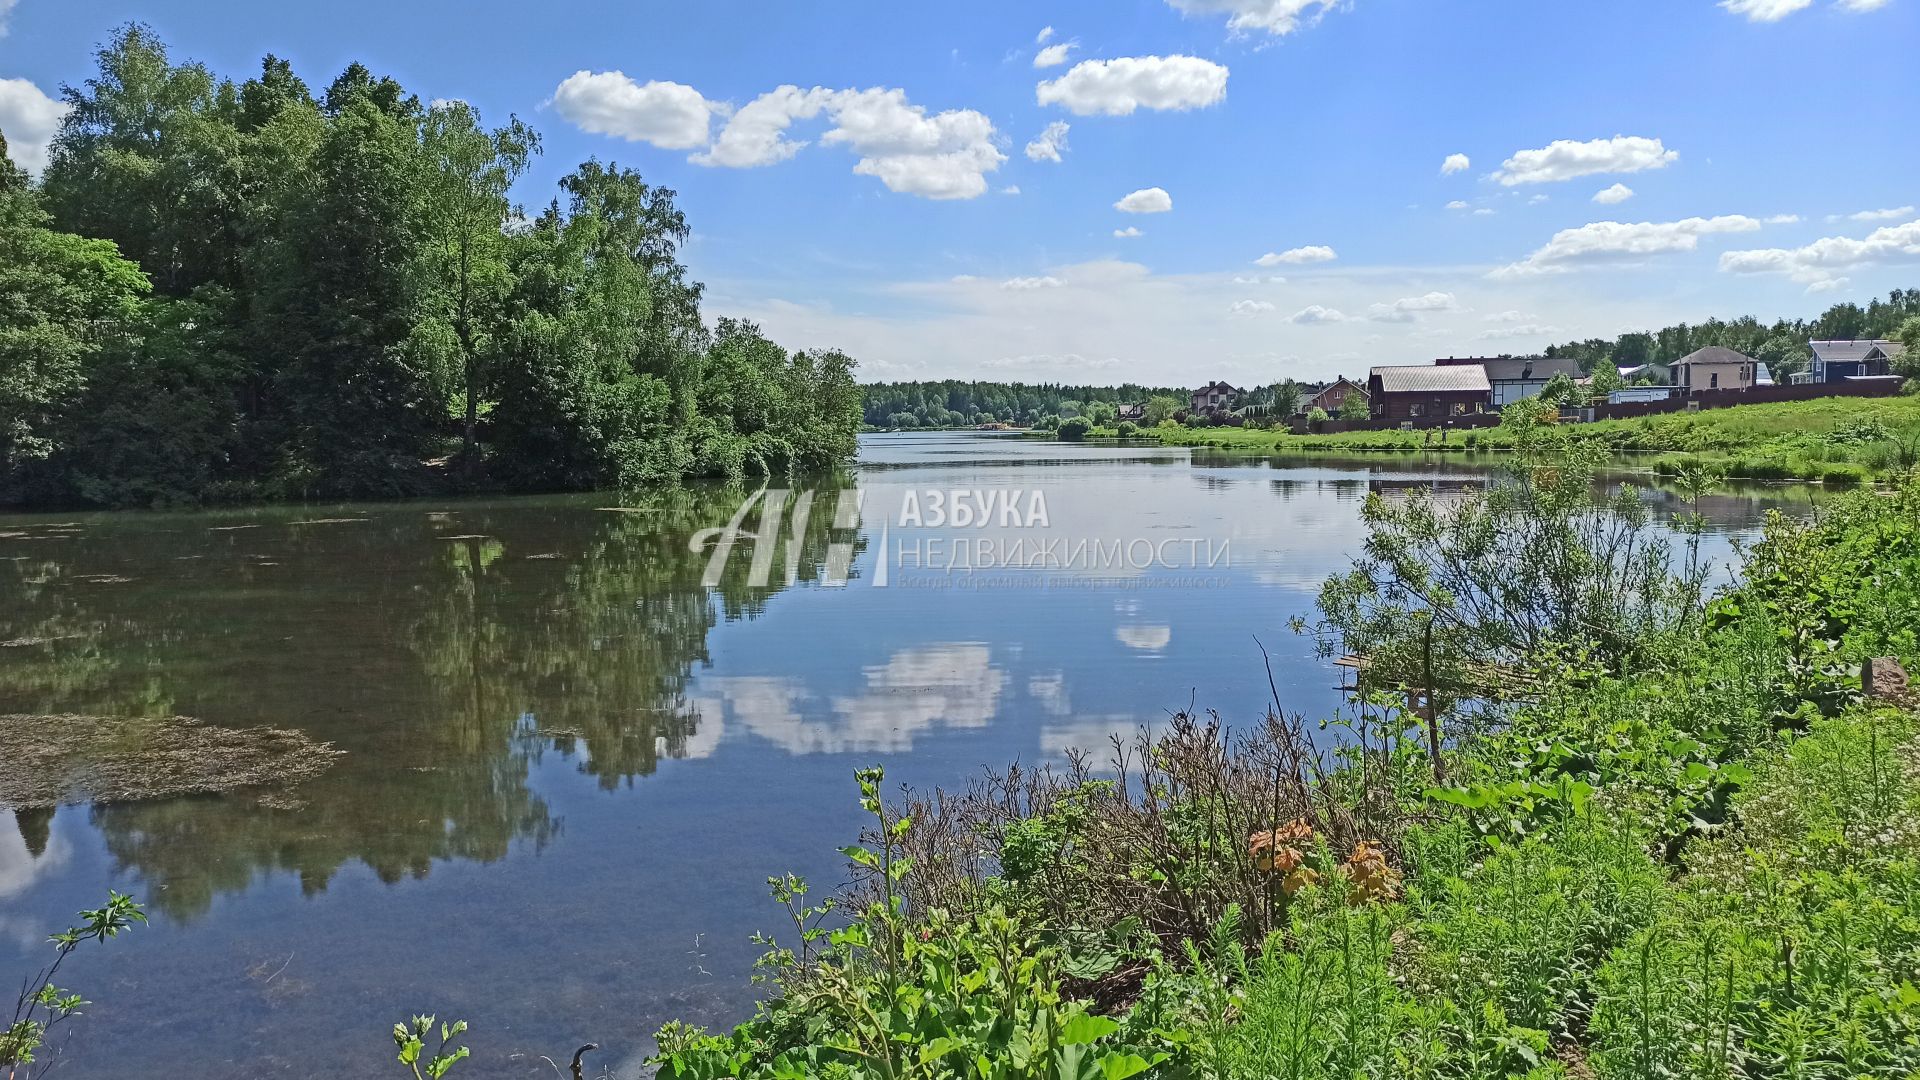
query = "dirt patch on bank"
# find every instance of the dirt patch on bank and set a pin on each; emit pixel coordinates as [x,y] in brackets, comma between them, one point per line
[56,760]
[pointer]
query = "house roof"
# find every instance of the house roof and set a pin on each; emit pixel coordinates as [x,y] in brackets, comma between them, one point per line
[1844,351]
[1441,379]
[1714,354]
[1523,369]
[1224,388]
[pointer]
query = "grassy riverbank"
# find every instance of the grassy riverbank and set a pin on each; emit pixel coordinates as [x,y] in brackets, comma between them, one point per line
[1685,845]
[1839,440]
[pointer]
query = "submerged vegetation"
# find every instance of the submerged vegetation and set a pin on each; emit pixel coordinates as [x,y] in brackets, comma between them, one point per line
[224,290]
[53,760]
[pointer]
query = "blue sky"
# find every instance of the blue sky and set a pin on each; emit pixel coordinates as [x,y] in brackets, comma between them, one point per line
[1764,151]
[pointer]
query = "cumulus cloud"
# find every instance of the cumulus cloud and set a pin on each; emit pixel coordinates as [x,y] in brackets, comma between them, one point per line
[1250,307]
[1894,214]
[1299,256]
[1537,200]
[29,118]
[1315,315]
[943,156]
[1052,55]
[1119,87]
[1048,145]
[1614,195]
[1409,308]
[1271,16]
[1822,263]
[1457,204]
[1784,219]
[669,115]
[1027,284]
[1455,163]
[1045,33]
[6,9]
[1612,240]
[1151,200]
[1565,159]
[1010,189]
[1128,233]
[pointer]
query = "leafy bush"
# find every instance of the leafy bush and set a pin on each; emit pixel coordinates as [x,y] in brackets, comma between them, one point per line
[42,1006]
[1128,429]
[1074,429]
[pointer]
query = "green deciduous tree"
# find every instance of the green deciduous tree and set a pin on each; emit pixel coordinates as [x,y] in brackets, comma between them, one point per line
[469,213]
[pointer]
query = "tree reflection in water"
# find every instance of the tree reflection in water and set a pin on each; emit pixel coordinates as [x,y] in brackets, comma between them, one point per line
[446,650]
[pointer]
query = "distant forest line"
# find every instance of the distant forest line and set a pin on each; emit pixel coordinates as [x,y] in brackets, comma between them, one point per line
[1782,344]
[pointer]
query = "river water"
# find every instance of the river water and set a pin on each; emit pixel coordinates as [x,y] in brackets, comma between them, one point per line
[582,731]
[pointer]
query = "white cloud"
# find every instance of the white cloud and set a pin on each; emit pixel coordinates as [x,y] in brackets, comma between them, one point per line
[1314,315]
[1538,199]
[1041,37]
[1610,240]
[1823,262]
[1508,317]
[1614,195]
[1299,256]
[1151,200]
[29,120]
[943,156]
[1784,219]
[1047,145]
[1052,55]
[1765,10]
[1457,204]
[1409,308]
[756,133]
[1893,214]
[1485,211]
[1027,284]
[1128,233]
[1250,307]
[1565,159]
[1455,163]
[6,9]
[1272,16]
[1120,86]
[1524,331]
[669,115]
[1010,189]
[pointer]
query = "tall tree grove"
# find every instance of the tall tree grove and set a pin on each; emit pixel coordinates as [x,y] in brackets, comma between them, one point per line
[225,290]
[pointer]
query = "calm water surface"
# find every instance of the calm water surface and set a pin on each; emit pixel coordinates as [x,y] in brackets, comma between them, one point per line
[571,765]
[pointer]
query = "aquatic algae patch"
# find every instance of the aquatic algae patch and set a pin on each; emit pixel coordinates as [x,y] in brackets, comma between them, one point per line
[61,759]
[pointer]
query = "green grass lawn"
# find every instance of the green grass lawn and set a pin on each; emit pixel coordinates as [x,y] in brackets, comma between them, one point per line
[1841,440]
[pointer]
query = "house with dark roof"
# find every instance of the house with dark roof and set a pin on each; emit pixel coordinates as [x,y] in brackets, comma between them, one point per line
[1715,367]
[1331,397]
[1428,393]
[1835,361]
[1515,378]
[1135,413]
[1211,398]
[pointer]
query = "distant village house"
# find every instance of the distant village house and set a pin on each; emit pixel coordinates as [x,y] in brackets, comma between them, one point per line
[1514,379]
[1428,393]
[1332,397]
[1211,398]
[1715,367]
[1838,361]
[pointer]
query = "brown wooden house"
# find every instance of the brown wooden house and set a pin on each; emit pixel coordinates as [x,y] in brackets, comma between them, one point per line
[1428,394]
